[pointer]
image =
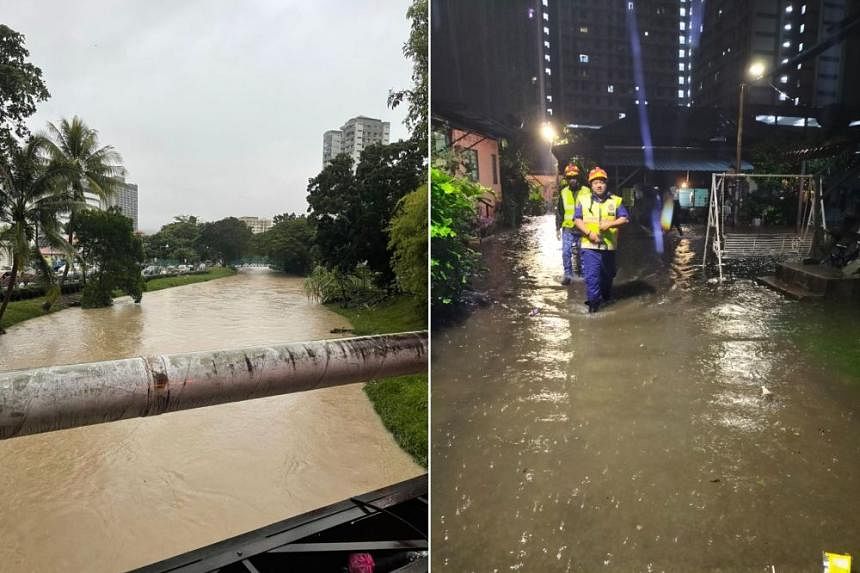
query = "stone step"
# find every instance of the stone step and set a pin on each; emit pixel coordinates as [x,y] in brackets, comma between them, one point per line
[788,289]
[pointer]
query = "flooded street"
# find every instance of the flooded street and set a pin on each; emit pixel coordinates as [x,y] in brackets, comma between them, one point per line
[638,438]
[116,496]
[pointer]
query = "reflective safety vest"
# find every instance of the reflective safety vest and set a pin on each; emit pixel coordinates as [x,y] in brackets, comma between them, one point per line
[593,213]
[569,202]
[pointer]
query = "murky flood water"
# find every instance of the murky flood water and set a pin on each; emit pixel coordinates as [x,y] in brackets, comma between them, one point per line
[637,439]
[120,495]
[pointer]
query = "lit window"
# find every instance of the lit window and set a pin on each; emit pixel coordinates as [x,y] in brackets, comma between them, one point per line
[549,111]
[682,53]
[682,40]
[531,13]
[610,88]
[797,101]
[546,16]
[637,88]
[549,98]
[630,5]
[799,66]
[803,9]
[546,44]
[785,60]
[782,97]
[636,102]
[680,93]
[548,71]
[646,33]
[545,2]
[786,44]
[783,79]
[621,115]
[546,30]
[680,80]
[789,8]
[800,47]
[546,57]
[683,25]
[683,11]
[583,29]
[802,28]
[787,26]
[583,58]
[688,94]
[681,67]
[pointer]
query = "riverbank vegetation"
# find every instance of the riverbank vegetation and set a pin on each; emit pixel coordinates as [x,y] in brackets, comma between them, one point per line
[182,280]
[401,402]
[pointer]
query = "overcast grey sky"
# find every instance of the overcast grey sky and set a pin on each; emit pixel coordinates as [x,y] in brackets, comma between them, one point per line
[217,106]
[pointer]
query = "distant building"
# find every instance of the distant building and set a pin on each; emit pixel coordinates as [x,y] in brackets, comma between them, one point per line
[256,224]
[356,134]
[332,142]
[737,33]
[126,200]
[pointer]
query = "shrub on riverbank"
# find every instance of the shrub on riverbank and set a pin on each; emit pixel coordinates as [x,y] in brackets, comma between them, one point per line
[401,402]
[181,280]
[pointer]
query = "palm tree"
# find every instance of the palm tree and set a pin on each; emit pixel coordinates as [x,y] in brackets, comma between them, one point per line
[29,201]
[98,170]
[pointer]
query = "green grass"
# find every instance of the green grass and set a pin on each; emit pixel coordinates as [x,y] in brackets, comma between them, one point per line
[401,402]
[168,282]
[21,310]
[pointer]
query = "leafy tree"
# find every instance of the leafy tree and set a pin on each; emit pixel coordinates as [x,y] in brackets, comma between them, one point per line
[334,214]
[110,247]
[385,174]
[452,219]
[94,168]
[288,244]
[408,242]
[515,188]
[176,240]
[416,49]
[21,85]
[28,201]
[228,239]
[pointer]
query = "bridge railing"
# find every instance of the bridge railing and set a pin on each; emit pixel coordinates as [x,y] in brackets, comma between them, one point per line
[59,397]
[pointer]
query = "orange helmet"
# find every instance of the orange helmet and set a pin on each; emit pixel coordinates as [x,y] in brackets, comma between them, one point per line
[571,170]
[597,173]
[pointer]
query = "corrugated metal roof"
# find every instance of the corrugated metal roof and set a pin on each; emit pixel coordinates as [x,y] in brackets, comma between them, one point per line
[673,160]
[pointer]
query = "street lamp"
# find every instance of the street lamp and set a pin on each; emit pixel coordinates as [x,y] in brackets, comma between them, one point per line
[754,72]
[549,134]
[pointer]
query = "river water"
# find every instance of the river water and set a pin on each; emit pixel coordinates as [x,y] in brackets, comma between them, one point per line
[638,438]
[116,496]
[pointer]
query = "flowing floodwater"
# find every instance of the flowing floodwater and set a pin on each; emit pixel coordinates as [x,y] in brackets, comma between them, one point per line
[115,496]
[638,438]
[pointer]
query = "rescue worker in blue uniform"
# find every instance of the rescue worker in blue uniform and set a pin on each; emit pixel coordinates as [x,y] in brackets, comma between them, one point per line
[572,188]
[598,217]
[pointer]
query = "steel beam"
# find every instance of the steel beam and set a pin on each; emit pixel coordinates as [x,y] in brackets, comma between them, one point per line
[60,397]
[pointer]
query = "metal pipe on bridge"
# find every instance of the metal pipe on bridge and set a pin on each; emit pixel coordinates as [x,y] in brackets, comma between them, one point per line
[60,397]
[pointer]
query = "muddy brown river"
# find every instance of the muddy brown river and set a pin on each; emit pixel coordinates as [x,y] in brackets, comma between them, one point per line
[116,496]
[638,438]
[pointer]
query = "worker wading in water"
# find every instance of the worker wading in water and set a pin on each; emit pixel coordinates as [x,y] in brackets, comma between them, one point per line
[572,189]
[598,217]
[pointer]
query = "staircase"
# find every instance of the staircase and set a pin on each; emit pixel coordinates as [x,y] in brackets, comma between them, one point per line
[805,282]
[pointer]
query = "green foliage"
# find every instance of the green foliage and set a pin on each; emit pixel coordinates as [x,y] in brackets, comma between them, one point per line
[108,245]
[288,244]
[176,241]
[228,239]
[536,205]
[452,217]
[402,405]
[393,314]
[416,49]
[21,85]
[351,213]
[347,288]
[160,283]
[408,242]
[515,187]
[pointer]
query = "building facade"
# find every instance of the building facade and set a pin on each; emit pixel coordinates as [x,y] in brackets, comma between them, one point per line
[126,200]
[356,134]
[257,224]
[738,33]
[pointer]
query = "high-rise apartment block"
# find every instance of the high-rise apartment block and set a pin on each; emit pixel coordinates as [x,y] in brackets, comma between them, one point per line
[126,199]
[356,134]
[738,33]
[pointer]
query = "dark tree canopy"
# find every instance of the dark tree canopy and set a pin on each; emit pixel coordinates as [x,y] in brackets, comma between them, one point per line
[228,239]
[21,85]
[110,247]
[176,241]
[416,49]
[288,244]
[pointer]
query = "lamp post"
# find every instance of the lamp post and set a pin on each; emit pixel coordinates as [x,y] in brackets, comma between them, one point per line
[549,134]
[755,72]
